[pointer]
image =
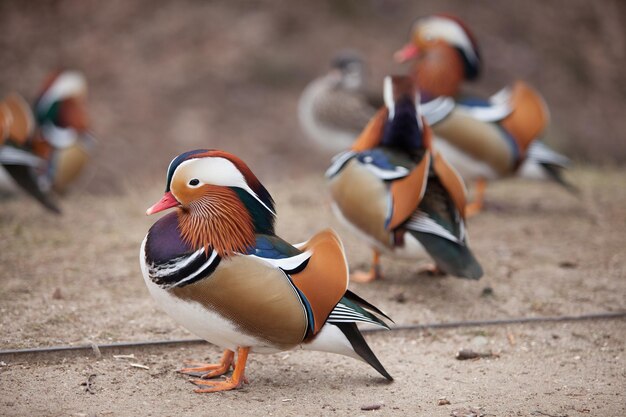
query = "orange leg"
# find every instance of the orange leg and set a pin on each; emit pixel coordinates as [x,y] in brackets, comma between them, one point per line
[235,381]
[476,206]
[372,275]
[211,370]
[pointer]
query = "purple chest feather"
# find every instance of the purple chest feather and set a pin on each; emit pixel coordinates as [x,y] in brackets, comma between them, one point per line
[164,240]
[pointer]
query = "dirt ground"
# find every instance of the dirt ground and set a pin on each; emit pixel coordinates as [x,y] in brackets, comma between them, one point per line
[167,77]
[75,279]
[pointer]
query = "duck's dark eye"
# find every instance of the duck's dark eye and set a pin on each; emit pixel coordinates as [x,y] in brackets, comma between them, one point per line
[194,182]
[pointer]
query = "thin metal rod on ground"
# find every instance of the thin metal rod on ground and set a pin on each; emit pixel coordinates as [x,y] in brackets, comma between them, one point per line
[499,322]
[424,326]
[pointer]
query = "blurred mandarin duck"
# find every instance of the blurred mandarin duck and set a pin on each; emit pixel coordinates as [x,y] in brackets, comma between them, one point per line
[22,166]
[398,194]
[482,139]
[63,138]
[217,267]
[334,108]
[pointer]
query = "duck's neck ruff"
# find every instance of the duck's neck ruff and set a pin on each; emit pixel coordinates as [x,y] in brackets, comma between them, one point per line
[441,71]
[217,220]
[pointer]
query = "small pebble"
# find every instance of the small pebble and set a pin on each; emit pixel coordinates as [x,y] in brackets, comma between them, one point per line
[57,294]
[399,298]
[487,292]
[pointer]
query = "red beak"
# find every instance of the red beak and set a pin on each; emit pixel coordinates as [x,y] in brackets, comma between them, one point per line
[409,51]
[168,201]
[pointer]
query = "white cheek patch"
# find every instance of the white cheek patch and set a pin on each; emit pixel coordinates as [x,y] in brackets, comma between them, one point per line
[216,171]
[68,84]
[452,32]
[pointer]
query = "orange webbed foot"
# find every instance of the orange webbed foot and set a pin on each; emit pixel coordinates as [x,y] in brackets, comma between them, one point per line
[236,381]
[216,386]
[373,274]
[473,209]
[210,370]
[365,276]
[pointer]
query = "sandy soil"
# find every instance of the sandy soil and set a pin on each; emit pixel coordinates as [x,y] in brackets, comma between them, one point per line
[75,279]
[559,370]
[169,77]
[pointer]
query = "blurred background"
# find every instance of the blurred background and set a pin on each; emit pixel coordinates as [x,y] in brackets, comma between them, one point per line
[165,77]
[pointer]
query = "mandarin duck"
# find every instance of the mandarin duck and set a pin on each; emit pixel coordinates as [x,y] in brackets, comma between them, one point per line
[334,108]
[482,139]
[22,166]
[217,267]
[63,139]
[398,194]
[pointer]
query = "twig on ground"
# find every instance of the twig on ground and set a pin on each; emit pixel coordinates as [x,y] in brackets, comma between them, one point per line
[465,354]
[89,384]
[541,413]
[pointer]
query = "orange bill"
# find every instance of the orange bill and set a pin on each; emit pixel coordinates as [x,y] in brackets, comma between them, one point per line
[408,51]
[167,201]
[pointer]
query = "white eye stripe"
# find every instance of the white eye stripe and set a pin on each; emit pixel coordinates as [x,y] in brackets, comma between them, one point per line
[217,171]
[211,170]
[450,31]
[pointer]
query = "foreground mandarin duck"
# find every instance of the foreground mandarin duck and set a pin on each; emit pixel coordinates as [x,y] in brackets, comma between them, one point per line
[398,194]
[482,139]
[19,165]
[217,267]
[334,108]
[63,138]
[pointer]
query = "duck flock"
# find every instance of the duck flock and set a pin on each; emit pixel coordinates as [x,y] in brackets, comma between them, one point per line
[398,181]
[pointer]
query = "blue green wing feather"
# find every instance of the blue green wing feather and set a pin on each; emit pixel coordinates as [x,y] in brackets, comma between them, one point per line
[439,227]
